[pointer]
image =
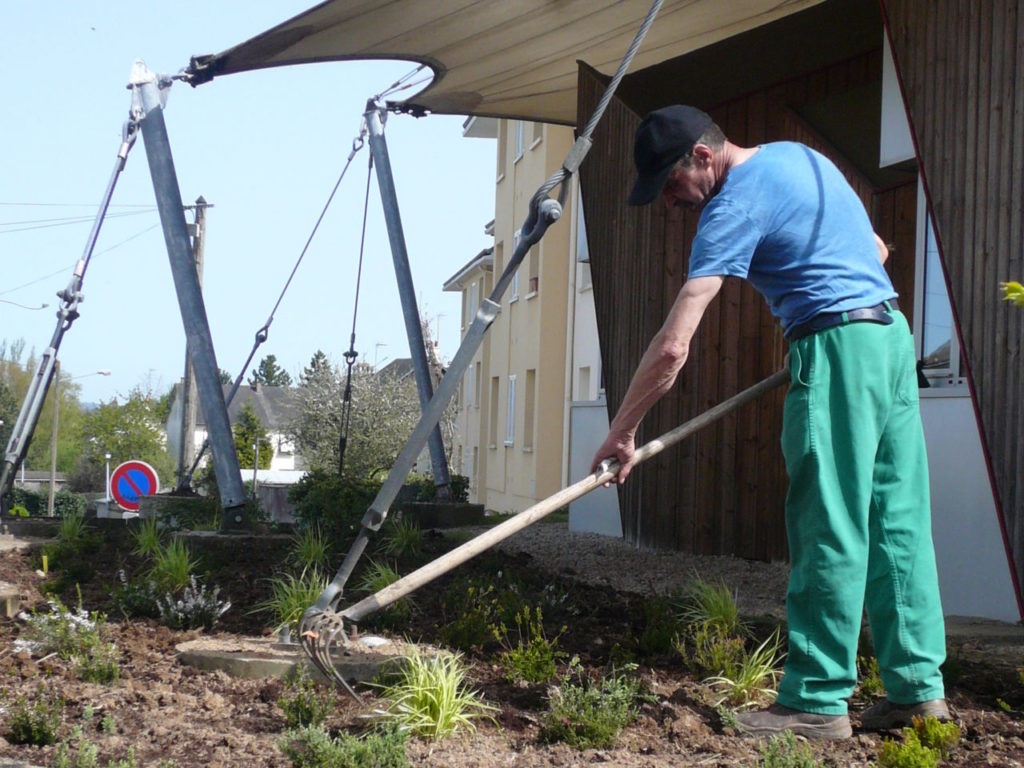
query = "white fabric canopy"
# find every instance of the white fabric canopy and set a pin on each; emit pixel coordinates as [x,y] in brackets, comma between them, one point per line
[502,58]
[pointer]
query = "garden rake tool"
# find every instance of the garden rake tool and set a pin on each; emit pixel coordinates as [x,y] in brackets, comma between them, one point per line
[323,625]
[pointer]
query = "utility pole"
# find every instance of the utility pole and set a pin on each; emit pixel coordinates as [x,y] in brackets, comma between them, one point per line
[189,393]
[53,437]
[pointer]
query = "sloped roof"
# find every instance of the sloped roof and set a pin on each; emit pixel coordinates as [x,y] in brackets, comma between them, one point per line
[501,58]
[276,407]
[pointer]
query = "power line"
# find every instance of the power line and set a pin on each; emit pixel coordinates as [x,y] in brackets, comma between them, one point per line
[64,270]
[62,222]
[74,205]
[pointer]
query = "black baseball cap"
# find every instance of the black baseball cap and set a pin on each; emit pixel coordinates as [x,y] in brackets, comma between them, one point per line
[664,136]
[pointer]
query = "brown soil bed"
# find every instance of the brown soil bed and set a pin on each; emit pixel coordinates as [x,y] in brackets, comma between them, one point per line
[597,588]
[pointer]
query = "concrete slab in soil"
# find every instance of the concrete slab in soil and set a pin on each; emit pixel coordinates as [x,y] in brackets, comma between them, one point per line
[254,658]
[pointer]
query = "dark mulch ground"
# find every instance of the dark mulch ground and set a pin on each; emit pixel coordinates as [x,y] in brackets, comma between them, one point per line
[170,712]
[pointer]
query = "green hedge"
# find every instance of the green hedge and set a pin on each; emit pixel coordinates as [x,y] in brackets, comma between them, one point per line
[339,503]
[64,502]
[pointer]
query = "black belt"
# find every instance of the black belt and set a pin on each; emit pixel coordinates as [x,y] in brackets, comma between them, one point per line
[876,314]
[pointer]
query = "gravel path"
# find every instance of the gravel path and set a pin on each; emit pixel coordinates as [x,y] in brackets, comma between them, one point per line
[594,559]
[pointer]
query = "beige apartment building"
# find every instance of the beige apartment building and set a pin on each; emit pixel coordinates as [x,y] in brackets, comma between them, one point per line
[535,383]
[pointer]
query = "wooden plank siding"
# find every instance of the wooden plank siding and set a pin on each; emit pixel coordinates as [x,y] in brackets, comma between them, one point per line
[721,492]
[961,66]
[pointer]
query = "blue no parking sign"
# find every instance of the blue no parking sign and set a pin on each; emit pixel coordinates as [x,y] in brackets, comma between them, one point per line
[131,481]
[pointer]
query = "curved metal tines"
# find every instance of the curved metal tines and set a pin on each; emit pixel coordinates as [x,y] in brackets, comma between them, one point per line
[318,632]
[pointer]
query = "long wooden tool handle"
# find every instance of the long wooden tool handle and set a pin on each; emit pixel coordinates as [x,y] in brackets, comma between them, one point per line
[541,509]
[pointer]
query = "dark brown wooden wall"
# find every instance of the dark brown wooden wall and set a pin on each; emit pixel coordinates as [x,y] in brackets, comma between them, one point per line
[723,490]
[962,68]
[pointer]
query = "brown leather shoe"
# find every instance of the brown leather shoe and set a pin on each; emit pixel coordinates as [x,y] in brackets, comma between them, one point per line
[779,719]
[885,715]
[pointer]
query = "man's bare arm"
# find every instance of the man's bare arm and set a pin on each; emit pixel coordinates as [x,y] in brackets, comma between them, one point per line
[658,369]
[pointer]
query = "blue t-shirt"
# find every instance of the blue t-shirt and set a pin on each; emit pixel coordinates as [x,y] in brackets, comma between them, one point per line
[788,221]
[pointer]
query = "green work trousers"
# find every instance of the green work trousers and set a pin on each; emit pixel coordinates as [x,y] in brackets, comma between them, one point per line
[858,519]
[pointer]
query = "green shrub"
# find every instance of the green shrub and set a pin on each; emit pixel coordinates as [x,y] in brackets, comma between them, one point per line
[533,658]
[194,609]
[471,608]
[937,735]
[135,598]
[585,714]
[290,596]
[661,626]
[377,576]
[428,698]
[714,605]
[402,539]
[147,541]
[706,651]
[754,679]
[334,503]
[305,702]
[313,747]
[35,723]
[784,751]
[75,636]
[910,753]
[310,549]
[172,566]
[18,511]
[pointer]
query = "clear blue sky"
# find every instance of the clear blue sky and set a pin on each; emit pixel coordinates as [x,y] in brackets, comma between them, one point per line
[263,147]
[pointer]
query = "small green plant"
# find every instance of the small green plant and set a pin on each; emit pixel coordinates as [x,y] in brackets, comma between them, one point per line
[706,651]
[195,609]
[871,684]
[34,723]
[305,702]
[755,679]
[72,528]
[661,626]
[101,664]
[135,598]
[472,607]
[376,577]
[936,735]
[290,596]
[533,658]
[172,566]
[19,511]
[910,753]
[784,751]
[714,605]
[402,539]
[75,636]
[586,714]
[313,747]
[310,549]
[925,744]
[1003,705]
[147,541]
[108,724]
[428,697]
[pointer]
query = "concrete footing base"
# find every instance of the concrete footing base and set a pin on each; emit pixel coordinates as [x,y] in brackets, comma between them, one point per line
[253,658]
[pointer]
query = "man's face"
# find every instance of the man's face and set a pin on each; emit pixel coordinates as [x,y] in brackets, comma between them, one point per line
[690,187]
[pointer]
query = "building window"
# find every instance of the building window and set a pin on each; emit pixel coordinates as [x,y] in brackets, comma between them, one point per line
[938,348]
[470,386]
[529,406]
[520,128]
[476,395]
[538,134]
[474,302]
[502,147]
[492,425]
[510,416]
[533,265]
[475,467]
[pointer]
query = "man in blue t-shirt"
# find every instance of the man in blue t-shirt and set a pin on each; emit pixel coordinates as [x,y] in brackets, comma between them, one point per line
[858,517]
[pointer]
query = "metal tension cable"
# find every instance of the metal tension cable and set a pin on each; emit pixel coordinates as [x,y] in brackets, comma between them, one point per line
[67,313]
[264,331]
[322,625]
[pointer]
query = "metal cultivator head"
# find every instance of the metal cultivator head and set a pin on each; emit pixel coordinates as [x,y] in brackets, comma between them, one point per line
[319,631]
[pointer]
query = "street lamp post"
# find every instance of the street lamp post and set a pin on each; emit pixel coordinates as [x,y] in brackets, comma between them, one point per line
[107,496]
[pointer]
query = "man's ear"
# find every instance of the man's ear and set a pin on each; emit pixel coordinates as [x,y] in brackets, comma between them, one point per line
[702,154]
